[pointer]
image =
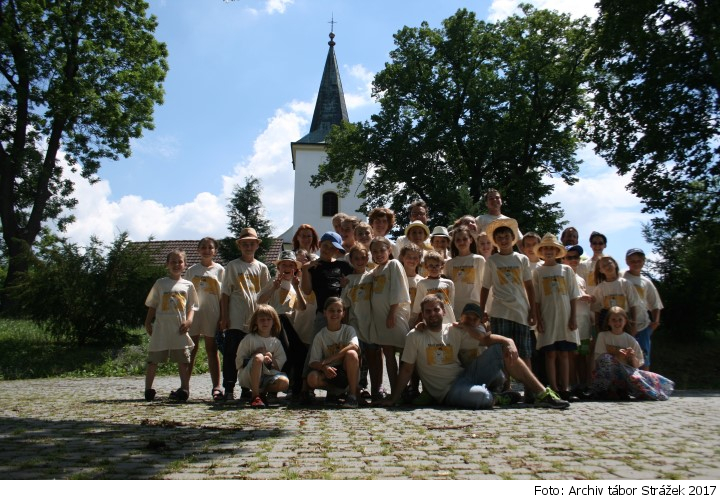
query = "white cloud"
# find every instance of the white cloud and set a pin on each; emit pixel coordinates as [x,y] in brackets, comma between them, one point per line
[97,216]
[279,6]
[500,9]
[363,90]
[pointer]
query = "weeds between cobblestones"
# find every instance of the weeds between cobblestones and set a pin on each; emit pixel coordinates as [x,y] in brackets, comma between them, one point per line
[103,429]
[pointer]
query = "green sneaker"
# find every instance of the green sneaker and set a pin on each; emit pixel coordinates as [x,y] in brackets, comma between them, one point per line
[548,399]
[506,398]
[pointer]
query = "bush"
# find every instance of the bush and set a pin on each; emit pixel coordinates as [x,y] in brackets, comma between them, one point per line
[93,294]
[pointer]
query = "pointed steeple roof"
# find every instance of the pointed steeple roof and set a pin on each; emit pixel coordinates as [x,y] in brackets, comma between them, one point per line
[330,107]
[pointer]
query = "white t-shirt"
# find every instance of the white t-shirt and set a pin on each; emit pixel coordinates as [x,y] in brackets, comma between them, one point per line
[441,287]
[172,300]
[607,342]
[648,294]
[242,282]
[467,274]
[390,286]
[327,343]
[356,298]
[506,276]
[435,356]
[249,346]
[207,282]
[555,287]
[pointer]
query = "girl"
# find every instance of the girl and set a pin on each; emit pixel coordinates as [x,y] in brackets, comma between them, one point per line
[598,243]
[465,269]
[347,231]
[617,358]
[434,284]
[171,303]
[207,277]
[484,245]
[390,304]
[307,239]
[381,220]
[260,356]
[410,257]
[364,236]
[356,299]
[612,290]
[334,356]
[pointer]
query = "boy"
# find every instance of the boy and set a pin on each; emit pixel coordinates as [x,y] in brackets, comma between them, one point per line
[171,303]
[508,274]
[527,245]
[440,241]
[244,278]
[586,269]
[635,259]
[434,284]
[556,295]
[418,211]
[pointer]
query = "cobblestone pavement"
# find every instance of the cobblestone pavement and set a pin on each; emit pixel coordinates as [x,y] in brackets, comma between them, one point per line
[103,428]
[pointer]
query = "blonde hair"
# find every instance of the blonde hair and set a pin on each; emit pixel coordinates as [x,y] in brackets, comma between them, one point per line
[265,310]
[178,252]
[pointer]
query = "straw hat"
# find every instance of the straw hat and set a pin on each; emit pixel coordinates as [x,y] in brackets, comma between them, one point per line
[550,240]
[248,234]
[502,222]
[417,223]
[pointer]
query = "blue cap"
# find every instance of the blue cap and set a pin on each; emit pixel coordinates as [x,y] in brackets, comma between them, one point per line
[333,238]
[634,251]
[574,248]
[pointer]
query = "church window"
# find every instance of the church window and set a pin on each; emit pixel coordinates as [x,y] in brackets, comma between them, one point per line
[329,204]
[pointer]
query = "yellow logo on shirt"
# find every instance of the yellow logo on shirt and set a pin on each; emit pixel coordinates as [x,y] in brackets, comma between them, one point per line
[438,354]
[463,274]
[509,275]
[249,282]
[361,292]
[206,284]
[173,301]
[441,293]
[614,300]
[554,285]
[379,283]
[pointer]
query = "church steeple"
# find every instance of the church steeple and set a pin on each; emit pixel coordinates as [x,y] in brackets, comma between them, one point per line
[330,107]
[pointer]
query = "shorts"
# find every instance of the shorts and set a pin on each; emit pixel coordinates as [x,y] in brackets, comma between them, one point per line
[340,381]
[519,333]
[267,377]
[560,346]
[174,355]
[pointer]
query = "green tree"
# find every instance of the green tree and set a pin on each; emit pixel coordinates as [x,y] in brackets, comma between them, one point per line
[657,96]
[472,105]
[88,294]
[245,209]
[83,75]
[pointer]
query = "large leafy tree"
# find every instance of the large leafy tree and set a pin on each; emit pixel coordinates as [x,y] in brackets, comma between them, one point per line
[470,106]
[245,209]
[78,78]
[657,96]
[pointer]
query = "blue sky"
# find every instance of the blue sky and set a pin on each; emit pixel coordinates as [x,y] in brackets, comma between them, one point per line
[242,85]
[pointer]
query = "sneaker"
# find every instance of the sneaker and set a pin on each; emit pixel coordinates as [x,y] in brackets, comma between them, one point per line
[246,393]
[149,394]
[258,402]
[350,402]
[423,399]
[506,398]
[229,395]
[569,396]
[548,399]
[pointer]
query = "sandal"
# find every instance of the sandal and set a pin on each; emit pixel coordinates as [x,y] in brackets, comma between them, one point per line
[180,395]
[217,395]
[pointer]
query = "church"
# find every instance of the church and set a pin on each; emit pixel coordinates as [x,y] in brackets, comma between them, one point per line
[317,206]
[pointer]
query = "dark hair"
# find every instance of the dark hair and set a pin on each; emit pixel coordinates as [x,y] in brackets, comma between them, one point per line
[530,235]
[431,298]
[358,247]
[208,239]
[491,191]
[566,231]
[333,300]
[595,234]
[177,251]
[616,310]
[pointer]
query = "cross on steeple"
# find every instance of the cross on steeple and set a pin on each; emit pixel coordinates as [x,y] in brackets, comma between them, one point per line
[332,22]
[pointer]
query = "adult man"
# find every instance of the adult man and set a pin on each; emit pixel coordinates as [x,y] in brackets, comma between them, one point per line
[418,211]
[493,202]
[434,350]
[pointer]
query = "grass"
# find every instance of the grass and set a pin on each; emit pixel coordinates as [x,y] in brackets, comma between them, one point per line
[26,351]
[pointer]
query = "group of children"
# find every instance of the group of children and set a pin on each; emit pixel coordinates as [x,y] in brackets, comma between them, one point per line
[342,302]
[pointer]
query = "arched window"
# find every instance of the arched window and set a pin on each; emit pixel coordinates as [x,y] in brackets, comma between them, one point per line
[329,204]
